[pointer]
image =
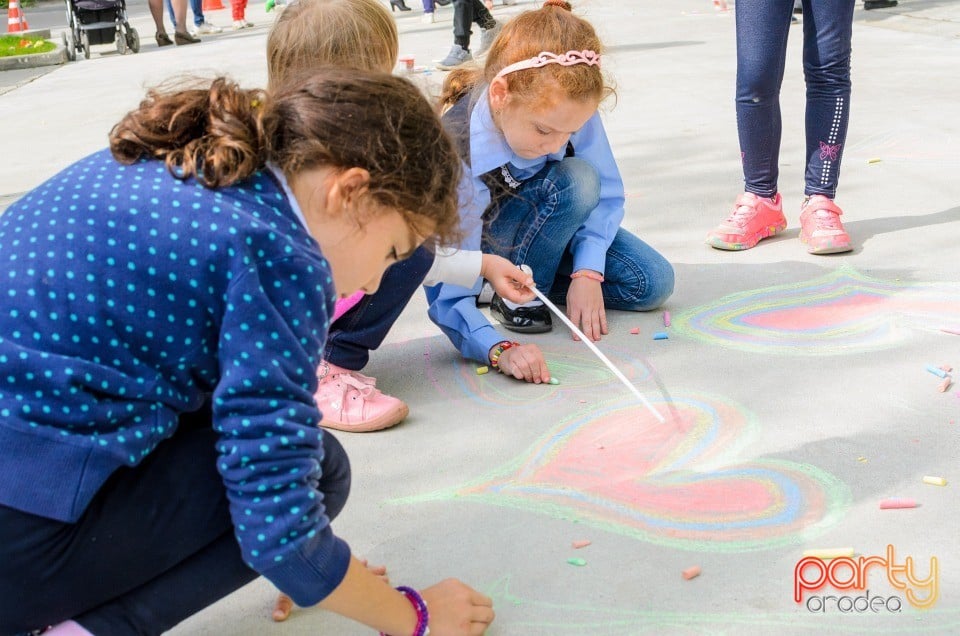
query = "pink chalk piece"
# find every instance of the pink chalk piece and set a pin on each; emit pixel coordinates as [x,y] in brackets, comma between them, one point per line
[635,330]
[946,367]
[954,331]
[691,572]
[582,401]
[580,544]
[894,504]
[943,386]
[666,319]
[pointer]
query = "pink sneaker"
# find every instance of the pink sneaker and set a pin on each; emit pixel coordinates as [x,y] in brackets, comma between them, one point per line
[820,226]
[752,220]
[350,401]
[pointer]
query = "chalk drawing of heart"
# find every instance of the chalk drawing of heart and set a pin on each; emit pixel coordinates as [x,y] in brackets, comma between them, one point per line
[675,484]
[840,313]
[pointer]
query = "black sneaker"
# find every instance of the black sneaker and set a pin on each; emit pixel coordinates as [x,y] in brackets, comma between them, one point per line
[534,319]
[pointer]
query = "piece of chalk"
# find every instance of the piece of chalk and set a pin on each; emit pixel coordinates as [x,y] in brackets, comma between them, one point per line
[893,504]
[660,335]
[635,330]
[874,160]
[666,319]
[955,332]
[554,381]
[691,572]
[946,367]
[829,553]
[577,561]
[943,386]
[936,371]
[580,544]
[934,481]
[482,370]
[862,460]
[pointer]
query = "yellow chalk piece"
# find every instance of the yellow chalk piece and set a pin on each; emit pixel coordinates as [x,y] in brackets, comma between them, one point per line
[935,481]
[482,370]
[862,460]
[874,160]
[829,553]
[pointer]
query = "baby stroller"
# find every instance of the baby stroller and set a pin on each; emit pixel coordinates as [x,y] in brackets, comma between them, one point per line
[92,22]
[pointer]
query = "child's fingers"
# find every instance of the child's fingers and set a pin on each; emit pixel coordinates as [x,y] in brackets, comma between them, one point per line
[282,608]
[603,321]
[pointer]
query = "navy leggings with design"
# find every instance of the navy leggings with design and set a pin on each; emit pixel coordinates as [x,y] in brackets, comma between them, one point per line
[762,29]
[155,546]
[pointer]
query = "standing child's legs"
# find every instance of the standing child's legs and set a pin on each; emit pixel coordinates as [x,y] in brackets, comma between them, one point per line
[827,31]
[238,9]
[154,546]
[349,400]
[762,27]
[465,13]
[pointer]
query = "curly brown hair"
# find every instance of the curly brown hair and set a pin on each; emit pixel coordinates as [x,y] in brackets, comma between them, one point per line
[552,28]
[341,118]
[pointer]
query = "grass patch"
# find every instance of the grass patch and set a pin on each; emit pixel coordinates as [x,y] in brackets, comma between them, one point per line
[17,45]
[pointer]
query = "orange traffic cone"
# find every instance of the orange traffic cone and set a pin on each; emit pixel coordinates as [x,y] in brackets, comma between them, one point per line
[212,5]
[16,21]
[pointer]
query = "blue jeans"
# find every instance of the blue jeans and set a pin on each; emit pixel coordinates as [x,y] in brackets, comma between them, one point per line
[365,326]
[762,29]
[535,225]
[195,5]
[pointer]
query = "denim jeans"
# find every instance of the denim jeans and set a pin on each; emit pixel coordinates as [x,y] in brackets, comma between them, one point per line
[195,5]
[365,326]
[464,13]
[535,224]
[155,546]
[762,29]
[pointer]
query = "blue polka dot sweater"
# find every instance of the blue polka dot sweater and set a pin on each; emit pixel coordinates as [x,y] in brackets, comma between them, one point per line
[129,297]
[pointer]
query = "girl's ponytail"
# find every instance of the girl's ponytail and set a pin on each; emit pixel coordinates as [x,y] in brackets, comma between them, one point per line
[212,134]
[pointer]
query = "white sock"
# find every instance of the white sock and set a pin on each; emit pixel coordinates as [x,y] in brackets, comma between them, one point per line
[532,303]
[67,628]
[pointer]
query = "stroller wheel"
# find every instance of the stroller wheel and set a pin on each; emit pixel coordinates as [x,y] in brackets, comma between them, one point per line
[121,42]
[85,43]
[133,39]
[69,45]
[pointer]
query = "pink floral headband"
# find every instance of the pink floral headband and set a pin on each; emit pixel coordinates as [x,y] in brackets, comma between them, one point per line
[570,58]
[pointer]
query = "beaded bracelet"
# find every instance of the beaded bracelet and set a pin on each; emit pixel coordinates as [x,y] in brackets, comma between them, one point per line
[498,351]
[588,273]
[423,616]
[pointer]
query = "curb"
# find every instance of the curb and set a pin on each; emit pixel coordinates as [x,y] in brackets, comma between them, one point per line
[50,58]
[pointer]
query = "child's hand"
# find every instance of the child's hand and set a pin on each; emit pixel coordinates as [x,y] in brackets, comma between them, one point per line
[525,362]
[508,280]
[285,605]
[585,307]
[457,609]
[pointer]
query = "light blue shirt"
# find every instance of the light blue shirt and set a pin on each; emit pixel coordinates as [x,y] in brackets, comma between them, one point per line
[452,307]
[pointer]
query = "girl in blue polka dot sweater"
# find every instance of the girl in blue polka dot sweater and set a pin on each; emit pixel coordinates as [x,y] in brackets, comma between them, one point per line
[165,305]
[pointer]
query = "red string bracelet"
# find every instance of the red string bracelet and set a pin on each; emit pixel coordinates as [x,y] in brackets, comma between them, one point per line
[588,273]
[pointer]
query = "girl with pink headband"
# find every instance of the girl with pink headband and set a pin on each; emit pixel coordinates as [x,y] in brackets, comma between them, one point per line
[542,177]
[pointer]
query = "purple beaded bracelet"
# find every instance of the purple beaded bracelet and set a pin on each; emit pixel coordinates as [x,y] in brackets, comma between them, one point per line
[423,617]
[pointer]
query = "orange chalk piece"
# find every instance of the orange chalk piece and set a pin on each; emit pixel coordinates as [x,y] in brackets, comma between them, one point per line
[945,384]
[946,367]
[893,504]
[580,544]
[691,572]
[635,330]
[934,481]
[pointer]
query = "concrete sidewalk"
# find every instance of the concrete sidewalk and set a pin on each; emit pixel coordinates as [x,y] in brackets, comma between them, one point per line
[796,386]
